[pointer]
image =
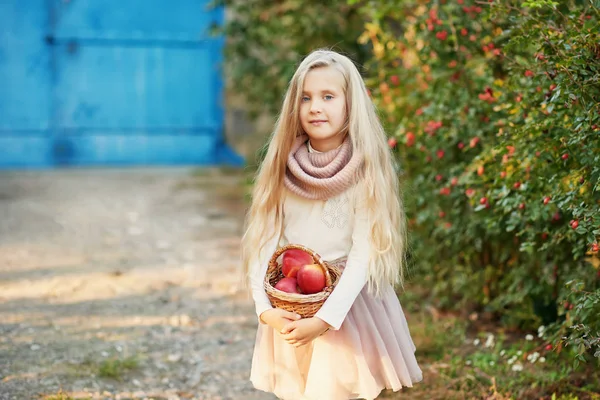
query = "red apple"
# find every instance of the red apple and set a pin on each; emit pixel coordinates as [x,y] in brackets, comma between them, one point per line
[311,278]
[288,285]
[292,260]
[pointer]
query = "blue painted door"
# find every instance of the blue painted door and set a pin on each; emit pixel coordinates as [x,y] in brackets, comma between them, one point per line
[107,82]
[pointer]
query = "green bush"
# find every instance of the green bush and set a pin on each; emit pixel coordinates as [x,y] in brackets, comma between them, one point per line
[266,41]
[494,112]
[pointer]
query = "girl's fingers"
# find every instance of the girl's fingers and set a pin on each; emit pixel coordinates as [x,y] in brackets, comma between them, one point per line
[287,328]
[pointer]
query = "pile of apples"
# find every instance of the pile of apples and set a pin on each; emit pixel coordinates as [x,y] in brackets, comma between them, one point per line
[301,274]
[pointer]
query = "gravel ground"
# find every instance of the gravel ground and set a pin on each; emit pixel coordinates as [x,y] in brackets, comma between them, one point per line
[123,284]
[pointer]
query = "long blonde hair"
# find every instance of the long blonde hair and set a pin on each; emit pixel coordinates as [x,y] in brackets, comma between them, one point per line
[379,183]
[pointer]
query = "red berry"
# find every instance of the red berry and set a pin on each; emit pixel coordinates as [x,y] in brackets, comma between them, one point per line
[392,142]
[442,214]
[517,185]
[594,247]
[470,192]
[440,153]
[565,156]
[548,347]
[410,139]
[480,170]
[503,174]
[556,216]
[474,142]
[522,206]
[544,236]
[438,177]
[574,224]
[581,180]
[529,73]
[395,80]
[461,145]
[483,200]
[454,181]
[546,200]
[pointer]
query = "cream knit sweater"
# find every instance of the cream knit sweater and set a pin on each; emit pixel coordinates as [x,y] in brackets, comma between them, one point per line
[334,228]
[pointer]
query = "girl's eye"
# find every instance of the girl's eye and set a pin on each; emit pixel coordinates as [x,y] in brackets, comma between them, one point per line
[305,98]
[328,97]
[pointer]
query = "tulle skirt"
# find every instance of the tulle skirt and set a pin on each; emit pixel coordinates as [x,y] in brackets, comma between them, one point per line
[372,351]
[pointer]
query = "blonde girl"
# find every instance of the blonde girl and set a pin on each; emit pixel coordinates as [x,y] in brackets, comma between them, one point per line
[328,182]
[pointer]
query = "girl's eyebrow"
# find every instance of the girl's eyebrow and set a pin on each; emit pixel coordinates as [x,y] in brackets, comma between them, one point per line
[322,91]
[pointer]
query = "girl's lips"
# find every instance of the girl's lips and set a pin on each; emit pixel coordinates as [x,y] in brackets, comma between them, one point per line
[317,122]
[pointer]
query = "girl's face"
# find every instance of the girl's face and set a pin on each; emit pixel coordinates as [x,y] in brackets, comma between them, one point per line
[323,108]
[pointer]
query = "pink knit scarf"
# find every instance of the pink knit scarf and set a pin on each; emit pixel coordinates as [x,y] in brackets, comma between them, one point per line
[319,176]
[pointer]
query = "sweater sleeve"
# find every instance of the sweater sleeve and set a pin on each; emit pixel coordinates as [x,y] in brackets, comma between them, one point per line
[258,269]
[355,275]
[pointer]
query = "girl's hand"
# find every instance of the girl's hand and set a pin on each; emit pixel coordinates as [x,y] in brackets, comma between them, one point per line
[277,318]
[299,333]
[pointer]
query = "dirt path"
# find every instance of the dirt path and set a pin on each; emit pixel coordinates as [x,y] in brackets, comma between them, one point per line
[123,284]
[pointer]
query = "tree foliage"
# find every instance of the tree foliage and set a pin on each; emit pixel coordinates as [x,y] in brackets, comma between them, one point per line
[493,111]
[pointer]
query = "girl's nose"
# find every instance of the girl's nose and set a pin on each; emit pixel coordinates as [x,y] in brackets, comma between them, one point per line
[315,107]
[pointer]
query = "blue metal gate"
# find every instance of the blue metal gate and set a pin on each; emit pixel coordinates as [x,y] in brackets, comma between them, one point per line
[110,82]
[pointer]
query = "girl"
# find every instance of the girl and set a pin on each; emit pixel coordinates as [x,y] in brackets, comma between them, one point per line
[328,182]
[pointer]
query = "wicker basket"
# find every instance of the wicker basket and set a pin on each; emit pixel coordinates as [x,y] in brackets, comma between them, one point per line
[305,305]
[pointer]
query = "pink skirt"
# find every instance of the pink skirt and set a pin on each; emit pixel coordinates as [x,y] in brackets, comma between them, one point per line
[372,351]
